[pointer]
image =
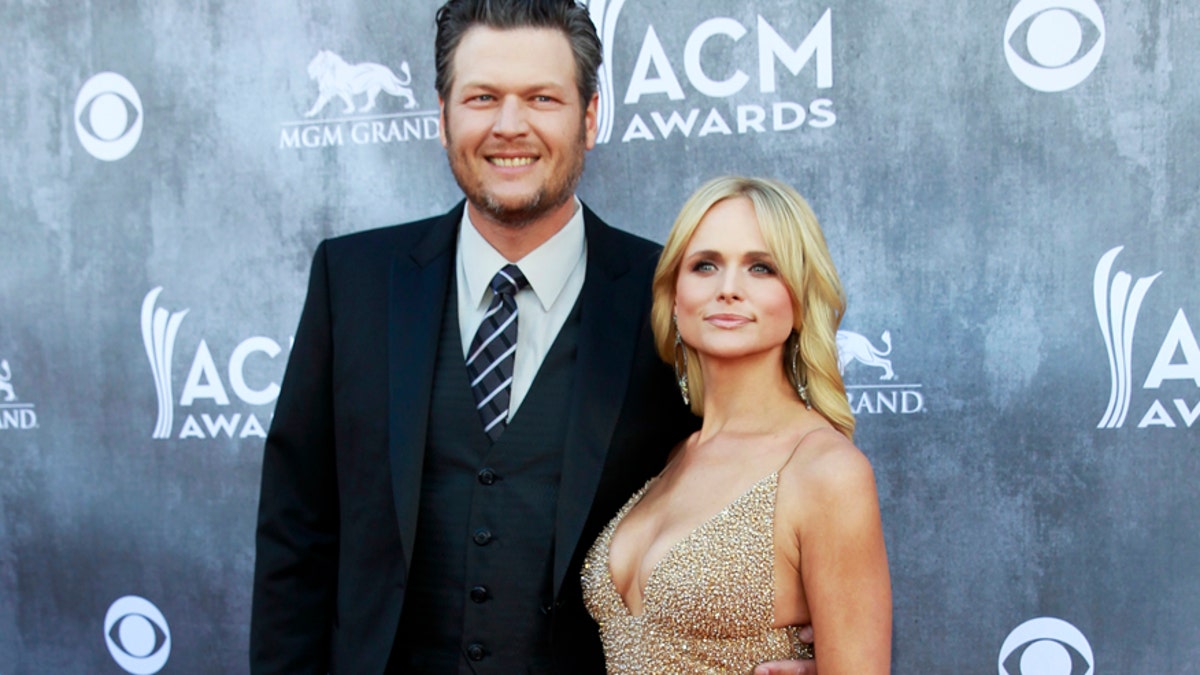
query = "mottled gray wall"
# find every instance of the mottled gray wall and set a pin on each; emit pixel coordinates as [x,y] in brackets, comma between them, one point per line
[967,210]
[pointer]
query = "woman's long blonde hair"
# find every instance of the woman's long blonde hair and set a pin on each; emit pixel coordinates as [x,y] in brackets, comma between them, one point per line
[795,240]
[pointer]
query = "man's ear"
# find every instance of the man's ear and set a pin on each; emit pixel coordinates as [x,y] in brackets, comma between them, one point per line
[590,120]
[442,122]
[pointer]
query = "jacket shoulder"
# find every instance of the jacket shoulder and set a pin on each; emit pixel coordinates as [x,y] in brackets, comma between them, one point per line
[614,244]
[637,245]
[619,237]
[383,238]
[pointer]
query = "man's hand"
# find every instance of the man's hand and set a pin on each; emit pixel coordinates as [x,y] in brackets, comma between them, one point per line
[790,667]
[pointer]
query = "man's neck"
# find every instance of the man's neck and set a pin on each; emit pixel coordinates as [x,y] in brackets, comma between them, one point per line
[515,242]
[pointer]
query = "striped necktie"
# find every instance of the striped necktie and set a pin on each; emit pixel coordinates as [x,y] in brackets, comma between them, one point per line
[493,351]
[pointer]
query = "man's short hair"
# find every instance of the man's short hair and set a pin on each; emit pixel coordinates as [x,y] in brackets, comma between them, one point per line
[456,17]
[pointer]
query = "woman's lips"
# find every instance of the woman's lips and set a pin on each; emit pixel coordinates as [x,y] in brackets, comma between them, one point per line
[727,320]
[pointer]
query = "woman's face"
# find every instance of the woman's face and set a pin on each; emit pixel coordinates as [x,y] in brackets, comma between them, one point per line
[730,301]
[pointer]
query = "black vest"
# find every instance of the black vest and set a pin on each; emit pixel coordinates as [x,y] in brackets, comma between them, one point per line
[480,582]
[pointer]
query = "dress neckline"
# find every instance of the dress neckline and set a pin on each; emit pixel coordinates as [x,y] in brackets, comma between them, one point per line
[658,565]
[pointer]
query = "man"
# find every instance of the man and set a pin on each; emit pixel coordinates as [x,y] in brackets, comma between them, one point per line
[433,477]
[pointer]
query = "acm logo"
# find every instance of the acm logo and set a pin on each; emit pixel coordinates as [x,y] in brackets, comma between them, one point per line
[204,384]
[1118,301]
[654,76]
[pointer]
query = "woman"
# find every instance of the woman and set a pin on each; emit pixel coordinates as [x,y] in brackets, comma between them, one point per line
[767,518]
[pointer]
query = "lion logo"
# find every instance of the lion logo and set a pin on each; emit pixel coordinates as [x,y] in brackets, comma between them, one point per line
[854,347]
[6,382]
[337,78]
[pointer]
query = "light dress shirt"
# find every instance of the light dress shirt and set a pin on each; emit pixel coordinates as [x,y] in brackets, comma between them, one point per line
[555,271]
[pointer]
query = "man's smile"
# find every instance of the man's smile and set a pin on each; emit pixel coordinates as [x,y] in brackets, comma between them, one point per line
[510,162]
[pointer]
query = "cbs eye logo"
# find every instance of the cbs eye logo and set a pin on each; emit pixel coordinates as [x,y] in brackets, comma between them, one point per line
[1053,45]
[1045,646]
[137,635]
[108,116]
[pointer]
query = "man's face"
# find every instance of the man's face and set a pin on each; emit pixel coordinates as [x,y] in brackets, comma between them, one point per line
[513,125]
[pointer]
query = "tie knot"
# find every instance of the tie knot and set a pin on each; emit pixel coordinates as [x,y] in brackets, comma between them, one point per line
[509,280]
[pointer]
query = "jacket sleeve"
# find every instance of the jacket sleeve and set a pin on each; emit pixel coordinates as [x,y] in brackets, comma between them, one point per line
[296,545]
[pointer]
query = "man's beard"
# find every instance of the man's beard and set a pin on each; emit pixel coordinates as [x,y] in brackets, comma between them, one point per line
[549,196]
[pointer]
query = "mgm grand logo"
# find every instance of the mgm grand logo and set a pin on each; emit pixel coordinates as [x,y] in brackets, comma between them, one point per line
[858,357]
[348,109]
[14,414]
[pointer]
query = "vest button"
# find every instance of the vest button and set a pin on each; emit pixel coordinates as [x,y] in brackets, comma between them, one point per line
[482,537]
[480,594]
[487,476]
[476,652]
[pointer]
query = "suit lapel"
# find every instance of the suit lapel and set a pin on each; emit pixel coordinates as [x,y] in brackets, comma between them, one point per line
[611,304]
[416,302]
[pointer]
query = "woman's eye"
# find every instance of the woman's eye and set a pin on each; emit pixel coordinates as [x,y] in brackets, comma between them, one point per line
[703,266]
[762,268]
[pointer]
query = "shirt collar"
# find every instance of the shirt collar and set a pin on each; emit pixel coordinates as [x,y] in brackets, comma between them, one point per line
[547,267]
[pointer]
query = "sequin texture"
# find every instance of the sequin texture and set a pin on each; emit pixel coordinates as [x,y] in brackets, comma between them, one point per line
[709,604]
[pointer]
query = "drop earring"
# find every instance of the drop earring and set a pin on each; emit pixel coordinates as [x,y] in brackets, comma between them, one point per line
[801,390]
[681,377]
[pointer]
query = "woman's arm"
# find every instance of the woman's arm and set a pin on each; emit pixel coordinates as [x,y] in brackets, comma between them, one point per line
[843,560]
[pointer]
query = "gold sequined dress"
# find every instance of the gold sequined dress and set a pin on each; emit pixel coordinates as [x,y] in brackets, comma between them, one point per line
[708,605]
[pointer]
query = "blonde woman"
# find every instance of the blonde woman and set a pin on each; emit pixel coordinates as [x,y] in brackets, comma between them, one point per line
[767,518]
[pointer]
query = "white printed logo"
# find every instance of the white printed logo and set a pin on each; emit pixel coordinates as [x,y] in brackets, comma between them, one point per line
[160,329]
[137,635]
[1118,300]
[13,413]
[6,387]
[338,79]
[1117,311]
[1045,646]
[108,116]
[654,75]
[604,15]
[1053,45]
[855,348]
[335,77]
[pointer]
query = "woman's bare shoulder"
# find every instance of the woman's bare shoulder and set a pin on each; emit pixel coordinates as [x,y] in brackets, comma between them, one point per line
[828,466]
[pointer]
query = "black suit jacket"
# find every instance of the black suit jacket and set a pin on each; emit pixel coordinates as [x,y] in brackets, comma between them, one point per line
[343,459]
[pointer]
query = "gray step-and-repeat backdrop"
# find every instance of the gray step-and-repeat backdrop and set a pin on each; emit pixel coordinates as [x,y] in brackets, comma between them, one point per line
[1009,189]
